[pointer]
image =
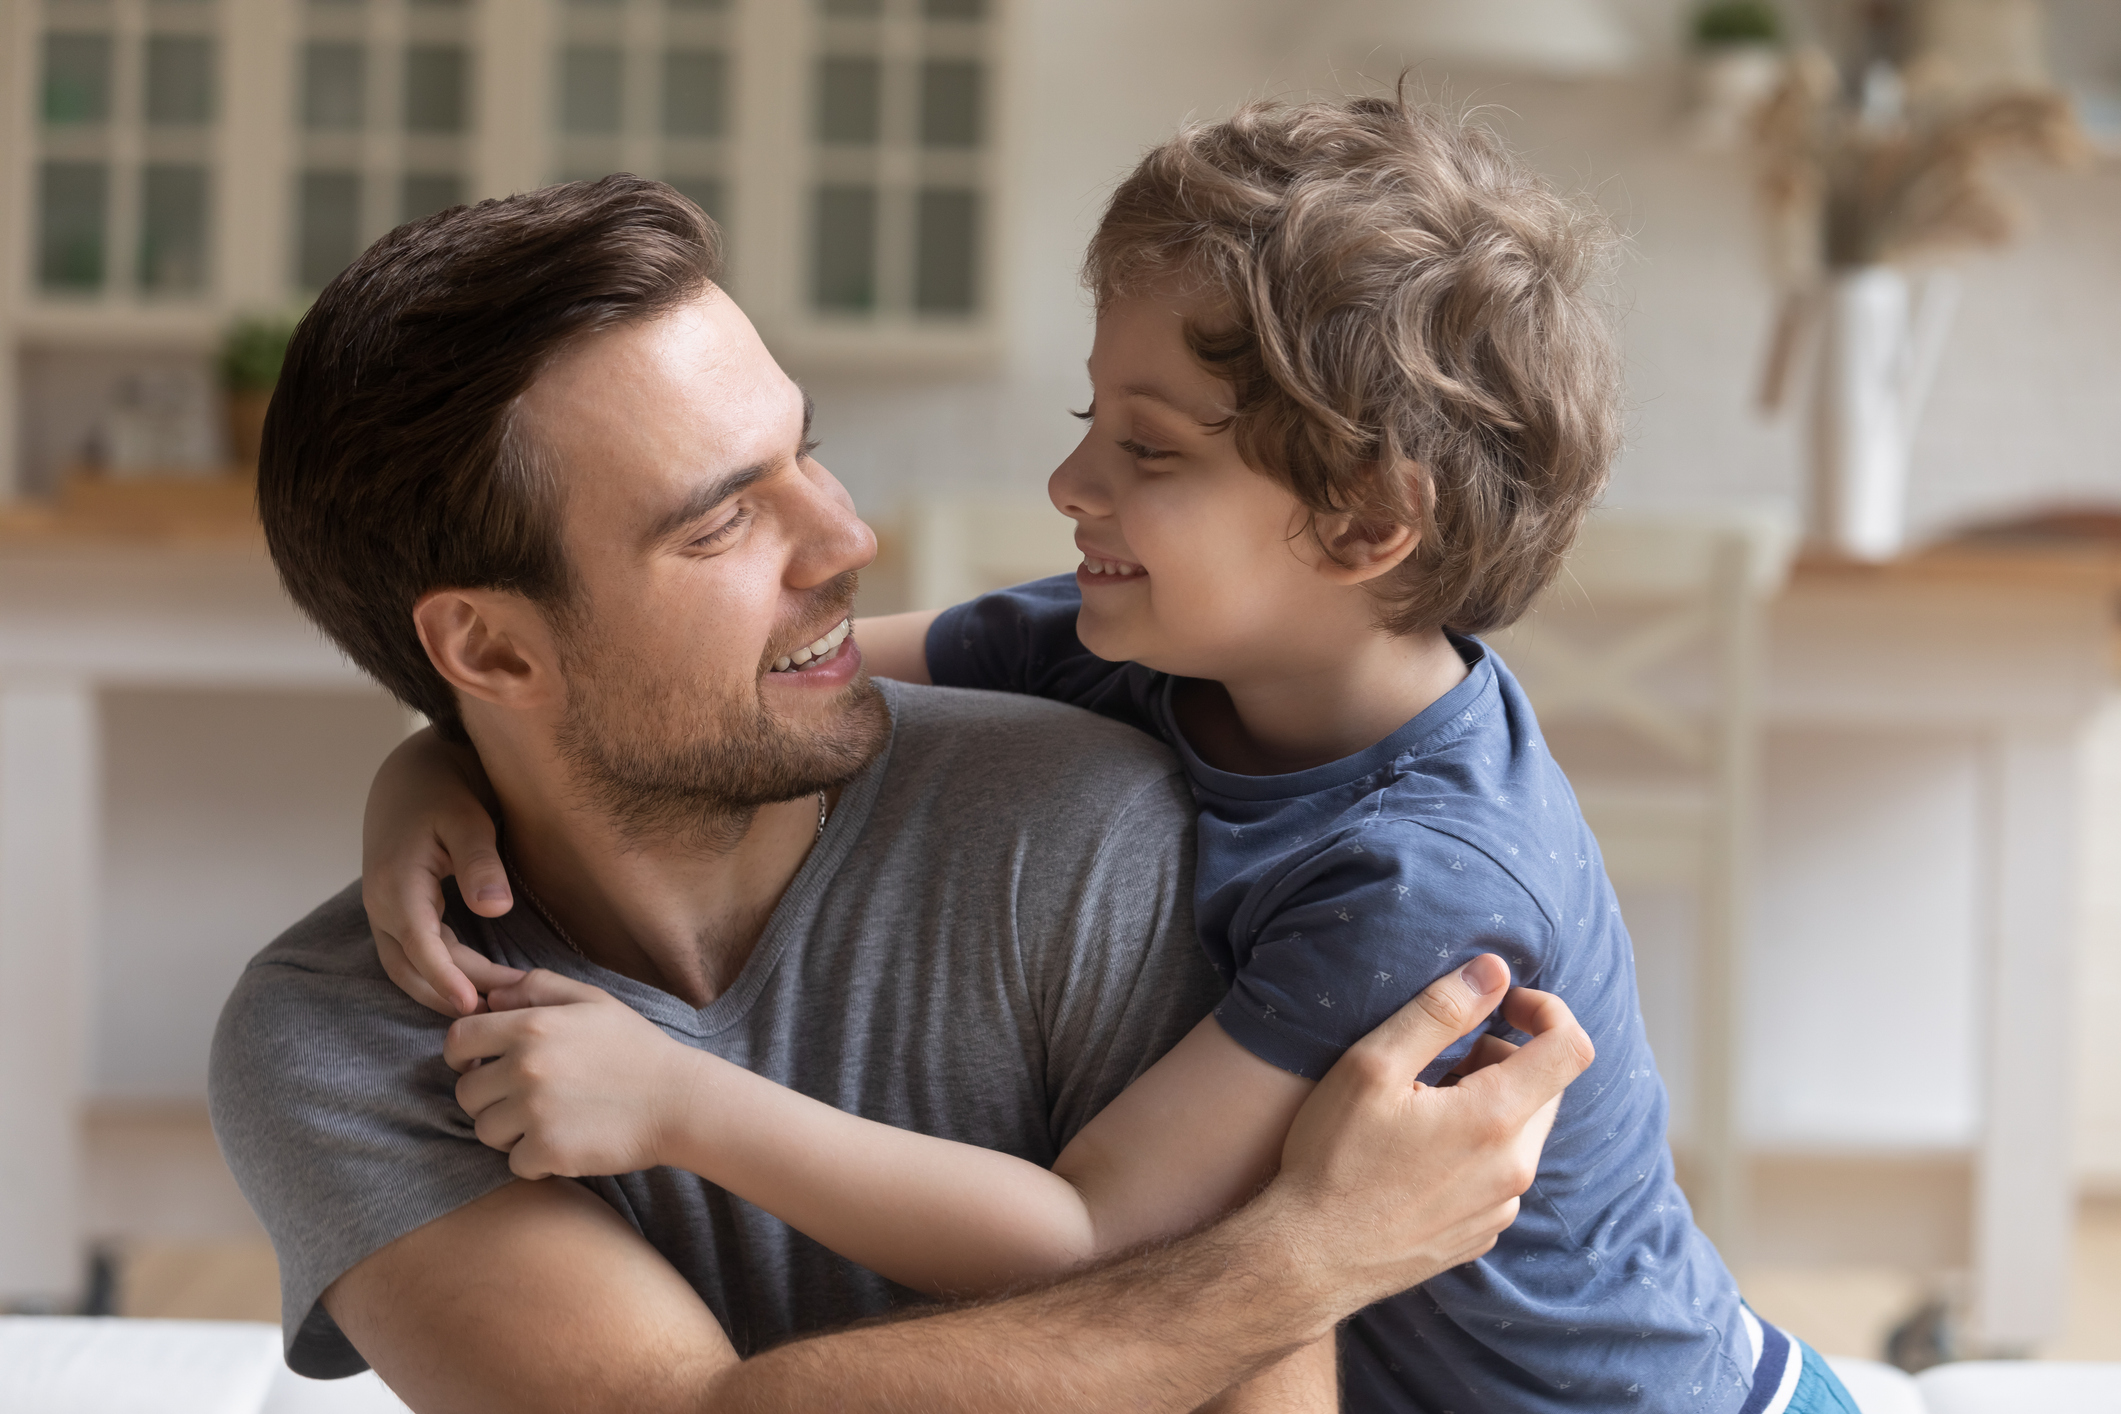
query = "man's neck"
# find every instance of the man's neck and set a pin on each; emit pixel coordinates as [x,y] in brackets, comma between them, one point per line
[679,915]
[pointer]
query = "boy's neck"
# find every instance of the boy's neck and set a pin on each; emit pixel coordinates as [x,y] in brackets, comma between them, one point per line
[1315,713]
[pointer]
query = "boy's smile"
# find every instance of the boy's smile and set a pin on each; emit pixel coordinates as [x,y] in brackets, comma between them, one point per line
[1197,564]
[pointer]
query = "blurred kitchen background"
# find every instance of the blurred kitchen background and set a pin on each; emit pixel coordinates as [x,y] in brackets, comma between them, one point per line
[1844,666]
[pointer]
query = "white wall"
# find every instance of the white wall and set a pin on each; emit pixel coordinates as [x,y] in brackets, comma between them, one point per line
[2024,412]
[227,816]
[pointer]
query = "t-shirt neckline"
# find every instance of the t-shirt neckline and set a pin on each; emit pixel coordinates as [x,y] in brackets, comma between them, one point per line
[530,932]
[1426,729]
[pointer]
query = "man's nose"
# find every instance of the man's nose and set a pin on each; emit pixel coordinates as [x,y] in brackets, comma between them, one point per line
[829,538]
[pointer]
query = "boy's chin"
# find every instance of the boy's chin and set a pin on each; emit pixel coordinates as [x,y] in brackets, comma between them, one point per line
[1107,639]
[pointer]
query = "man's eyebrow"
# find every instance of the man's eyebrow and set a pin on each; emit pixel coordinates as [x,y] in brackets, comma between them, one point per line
[703,499]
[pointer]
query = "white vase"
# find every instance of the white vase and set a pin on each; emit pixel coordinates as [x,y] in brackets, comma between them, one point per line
[1878,350]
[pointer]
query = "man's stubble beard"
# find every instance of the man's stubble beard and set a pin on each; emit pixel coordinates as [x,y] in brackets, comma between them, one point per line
[670,763]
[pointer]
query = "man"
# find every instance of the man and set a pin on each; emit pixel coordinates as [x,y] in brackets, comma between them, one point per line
[537,474]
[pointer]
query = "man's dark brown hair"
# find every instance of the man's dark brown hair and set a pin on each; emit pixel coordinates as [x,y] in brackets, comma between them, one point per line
[393,464]
[1406,317]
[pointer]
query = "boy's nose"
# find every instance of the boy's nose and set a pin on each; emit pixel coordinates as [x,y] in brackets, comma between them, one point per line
[1075,488]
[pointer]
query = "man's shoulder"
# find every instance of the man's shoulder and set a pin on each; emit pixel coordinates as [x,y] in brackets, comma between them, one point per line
[337,1115]
[1047,754]
[314,1004]
[332,939]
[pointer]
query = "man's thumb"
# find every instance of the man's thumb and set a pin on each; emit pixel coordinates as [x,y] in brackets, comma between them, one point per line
[1446,1009]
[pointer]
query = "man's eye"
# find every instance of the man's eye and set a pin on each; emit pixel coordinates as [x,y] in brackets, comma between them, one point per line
[1142,453]
[722,532]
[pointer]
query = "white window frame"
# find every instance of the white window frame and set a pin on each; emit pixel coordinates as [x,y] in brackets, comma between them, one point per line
[781,41]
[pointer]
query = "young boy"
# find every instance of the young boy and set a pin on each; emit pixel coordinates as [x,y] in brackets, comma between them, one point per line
[1351,400]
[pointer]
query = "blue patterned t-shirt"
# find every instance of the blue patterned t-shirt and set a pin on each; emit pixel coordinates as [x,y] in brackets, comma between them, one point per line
[1329,898]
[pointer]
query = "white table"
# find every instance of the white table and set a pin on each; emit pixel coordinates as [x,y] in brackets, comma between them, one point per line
[2003,657]
[78,616]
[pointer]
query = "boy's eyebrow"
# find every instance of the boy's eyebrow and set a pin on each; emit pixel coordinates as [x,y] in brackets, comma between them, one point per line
[704,498]
[1156,394]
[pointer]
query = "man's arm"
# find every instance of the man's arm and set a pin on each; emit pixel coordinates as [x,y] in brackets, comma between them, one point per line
[536,1297]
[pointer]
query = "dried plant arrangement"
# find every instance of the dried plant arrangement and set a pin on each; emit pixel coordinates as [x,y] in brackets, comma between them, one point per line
[1857,192]
[1897,181]
[1892,181]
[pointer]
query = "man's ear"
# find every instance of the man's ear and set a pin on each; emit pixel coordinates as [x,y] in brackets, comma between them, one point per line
[490,645]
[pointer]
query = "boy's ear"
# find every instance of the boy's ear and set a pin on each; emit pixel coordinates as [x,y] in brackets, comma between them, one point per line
[1359,548]
[489,644]
[1369,541]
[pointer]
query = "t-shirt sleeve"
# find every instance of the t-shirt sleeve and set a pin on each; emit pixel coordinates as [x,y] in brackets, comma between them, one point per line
[1356,929]
[1023,640]
[338,1117]
[1118,976]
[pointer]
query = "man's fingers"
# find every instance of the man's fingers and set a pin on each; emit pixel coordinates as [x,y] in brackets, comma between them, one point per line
[1544,1066]
[1447,1009]
[542,988]
[1487,1051]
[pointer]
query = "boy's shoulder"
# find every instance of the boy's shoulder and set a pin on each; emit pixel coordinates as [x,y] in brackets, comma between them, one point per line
[1069,756]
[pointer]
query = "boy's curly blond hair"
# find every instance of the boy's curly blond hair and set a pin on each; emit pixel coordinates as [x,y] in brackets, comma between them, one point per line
[1405,315]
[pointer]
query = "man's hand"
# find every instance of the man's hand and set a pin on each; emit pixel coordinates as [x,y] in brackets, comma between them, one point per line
[1388,1181]
[566,1079]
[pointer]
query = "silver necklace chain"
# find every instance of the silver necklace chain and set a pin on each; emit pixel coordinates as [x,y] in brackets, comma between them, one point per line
[508,858]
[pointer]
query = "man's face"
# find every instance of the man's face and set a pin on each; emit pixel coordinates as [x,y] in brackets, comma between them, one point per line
[708,547]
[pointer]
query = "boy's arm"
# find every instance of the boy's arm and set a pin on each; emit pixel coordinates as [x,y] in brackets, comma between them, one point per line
[613,1094]
[430,816]
[537,1298]
[567,1080]
[896,645]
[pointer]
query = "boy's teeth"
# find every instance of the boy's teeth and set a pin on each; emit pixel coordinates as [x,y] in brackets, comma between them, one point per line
[1110,567]
[811,652]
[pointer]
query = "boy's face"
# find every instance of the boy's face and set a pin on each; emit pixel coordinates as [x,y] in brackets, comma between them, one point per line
[1193,563]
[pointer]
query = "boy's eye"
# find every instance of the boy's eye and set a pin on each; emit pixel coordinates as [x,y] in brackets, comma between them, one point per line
[1143,453]
[807,449]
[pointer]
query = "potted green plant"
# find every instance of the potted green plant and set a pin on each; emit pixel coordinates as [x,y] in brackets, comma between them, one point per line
[251,351]
[1737,61]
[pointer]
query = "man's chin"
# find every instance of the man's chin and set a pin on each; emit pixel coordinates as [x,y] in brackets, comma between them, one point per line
[842,736]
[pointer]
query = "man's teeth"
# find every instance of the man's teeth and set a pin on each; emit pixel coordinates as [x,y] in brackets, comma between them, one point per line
[811,652]
[1095,566]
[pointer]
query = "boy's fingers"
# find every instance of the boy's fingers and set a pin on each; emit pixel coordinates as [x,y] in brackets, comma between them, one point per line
[429,953]
[399,967]
[1445,1010]
[484,1037]
[484,972]
[542,988]
[475,854]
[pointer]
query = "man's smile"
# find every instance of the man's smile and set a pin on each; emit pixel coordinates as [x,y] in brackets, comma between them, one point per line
[818,651]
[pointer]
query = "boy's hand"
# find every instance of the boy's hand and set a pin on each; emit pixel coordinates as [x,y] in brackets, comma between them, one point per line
[566,1079]
[426,822]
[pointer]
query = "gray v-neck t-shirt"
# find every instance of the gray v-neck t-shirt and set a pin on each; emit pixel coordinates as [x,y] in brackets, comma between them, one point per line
[991,939]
